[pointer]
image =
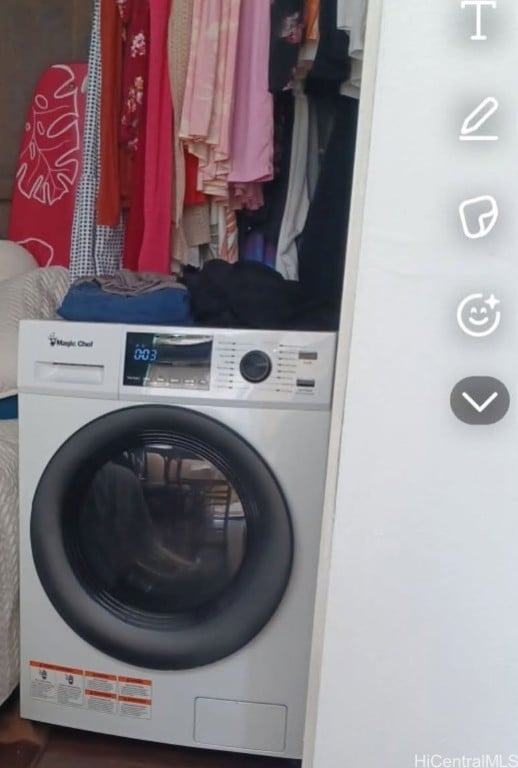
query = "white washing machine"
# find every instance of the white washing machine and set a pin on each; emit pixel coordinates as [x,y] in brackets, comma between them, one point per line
[171,489]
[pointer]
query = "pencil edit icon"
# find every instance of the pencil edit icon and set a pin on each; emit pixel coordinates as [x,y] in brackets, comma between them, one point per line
[472,124]
[478,216]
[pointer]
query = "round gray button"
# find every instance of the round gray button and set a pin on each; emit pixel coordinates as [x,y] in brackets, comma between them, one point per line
[480,400]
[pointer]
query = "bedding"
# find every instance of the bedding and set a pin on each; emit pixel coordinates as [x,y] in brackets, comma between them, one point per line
[14,260]
[34,295]
[25,293]
[9,632]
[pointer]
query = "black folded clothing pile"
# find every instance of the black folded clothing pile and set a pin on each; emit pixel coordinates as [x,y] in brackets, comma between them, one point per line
[252,295]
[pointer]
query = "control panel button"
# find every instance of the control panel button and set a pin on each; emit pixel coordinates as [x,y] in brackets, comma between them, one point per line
[306,383]
[255,366]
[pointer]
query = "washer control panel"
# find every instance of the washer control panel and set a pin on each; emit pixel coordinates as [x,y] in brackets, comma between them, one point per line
[177,364]
[231,364]
[292,367]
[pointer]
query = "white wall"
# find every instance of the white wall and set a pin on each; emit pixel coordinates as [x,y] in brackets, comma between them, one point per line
[417,652]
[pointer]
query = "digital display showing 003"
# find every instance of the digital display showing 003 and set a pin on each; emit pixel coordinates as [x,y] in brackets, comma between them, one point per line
[145,354]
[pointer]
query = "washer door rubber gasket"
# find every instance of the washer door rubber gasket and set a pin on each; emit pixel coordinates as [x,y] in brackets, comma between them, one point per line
[157,641]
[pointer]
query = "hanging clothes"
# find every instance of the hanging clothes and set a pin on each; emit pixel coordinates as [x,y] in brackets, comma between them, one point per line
[247,195]
[95,250]
[190,211]
[322,112]
[224,234]
[251,146]
[286,36]
[259,230]
[134,231]
[192,194]
[135,35]
[155,251]
[208,100]
[132,122]
[311,12]
[352,18]
[297,198]
[179,36]
[109,195]
[323,241]
[332,64]
[196,224]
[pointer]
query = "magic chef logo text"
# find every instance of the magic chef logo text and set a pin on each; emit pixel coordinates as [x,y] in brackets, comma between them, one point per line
[56,342]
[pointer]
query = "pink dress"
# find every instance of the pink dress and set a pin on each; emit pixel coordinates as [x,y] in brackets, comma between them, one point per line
[155,251]
[251,146]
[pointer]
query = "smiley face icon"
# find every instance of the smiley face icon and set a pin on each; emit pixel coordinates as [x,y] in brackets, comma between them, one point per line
[478,316]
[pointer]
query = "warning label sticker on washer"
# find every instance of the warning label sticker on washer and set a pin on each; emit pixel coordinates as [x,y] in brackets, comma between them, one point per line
[135,697]
[101,701]
[61,685]
[96,691]
[43,682]
[100,681]
[101,692]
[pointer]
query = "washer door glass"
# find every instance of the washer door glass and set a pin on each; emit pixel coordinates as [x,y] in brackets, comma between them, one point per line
[158,528]
[161,537]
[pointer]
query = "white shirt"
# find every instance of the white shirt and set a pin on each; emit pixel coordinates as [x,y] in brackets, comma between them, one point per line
[351,16]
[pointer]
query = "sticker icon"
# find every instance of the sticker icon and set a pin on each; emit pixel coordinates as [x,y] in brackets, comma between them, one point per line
[478,5]
[480,400]
[476,119]
[477,316]
[478,216]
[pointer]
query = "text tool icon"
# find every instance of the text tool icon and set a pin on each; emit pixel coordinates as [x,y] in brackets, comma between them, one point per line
[478,216]
[478,316]
[470,130]
[480,400]
[478,5]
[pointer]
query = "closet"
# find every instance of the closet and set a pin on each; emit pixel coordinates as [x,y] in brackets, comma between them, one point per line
[296,221]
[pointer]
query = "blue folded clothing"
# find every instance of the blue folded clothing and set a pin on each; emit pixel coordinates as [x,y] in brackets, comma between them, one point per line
[9,407]
[89,303]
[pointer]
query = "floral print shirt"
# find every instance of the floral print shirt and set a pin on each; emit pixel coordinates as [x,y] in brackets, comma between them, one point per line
[135,19]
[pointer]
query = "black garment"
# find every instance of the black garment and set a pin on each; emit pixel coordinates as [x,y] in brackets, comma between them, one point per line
[322,111]
[251,295]
[332,65]
[286,35]
[323,241]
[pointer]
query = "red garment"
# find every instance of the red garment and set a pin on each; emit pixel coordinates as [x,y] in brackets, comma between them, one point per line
[135,20]
[192,195]
[155,252]
[132,126]
[134,225]
[109,194]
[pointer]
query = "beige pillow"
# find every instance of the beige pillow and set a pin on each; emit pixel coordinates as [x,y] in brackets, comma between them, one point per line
[32,296]
[14,260]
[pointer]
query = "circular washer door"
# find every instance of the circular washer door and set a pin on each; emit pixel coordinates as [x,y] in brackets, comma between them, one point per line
[161,537]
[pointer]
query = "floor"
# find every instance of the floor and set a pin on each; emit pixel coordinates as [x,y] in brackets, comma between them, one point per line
[30,745]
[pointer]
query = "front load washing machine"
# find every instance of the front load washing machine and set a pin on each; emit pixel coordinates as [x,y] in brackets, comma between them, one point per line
[171,490]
